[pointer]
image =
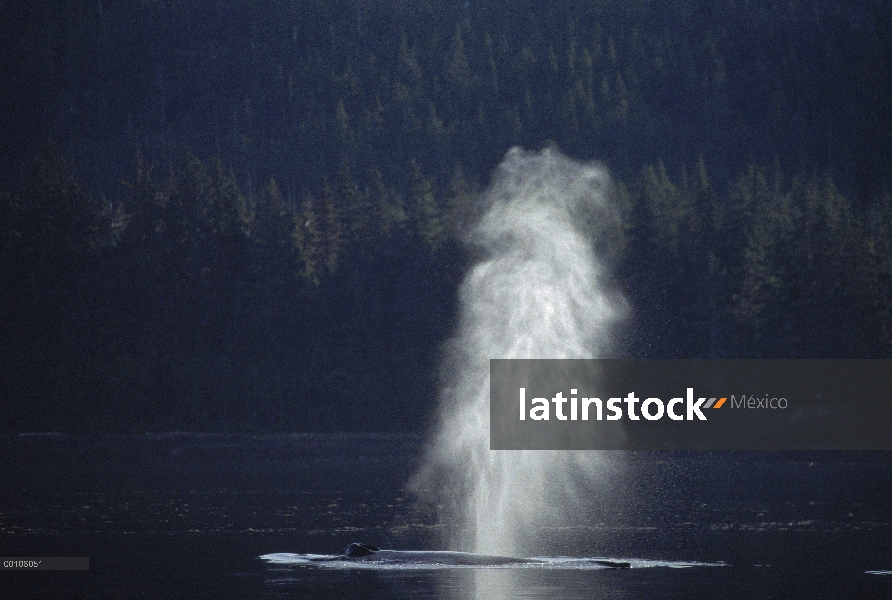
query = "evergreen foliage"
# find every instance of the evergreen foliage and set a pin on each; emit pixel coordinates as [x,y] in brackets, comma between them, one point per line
[151,283]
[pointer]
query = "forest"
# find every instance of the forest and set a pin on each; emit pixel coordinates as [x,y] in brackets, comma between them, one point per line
[214,216]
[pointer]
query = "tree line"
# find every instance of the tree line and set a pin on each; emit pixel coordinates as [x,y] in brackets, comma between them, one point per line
[194,305]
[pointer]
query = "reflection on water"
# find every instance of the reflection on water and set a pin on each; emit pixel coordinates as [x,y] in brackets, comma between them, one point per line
[499,585]
[449,584]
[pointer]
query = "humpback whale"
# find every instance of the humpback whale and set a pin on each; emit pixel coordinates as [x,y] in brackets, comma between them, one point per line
[372,554]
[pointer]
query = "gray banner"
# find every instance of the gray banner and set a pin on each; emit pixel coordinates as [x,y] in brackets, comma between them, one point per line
[615,404]
[45,563]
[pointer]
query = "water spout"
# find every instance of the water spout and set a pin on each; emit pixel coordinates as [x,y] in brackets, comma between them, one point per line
[539,290]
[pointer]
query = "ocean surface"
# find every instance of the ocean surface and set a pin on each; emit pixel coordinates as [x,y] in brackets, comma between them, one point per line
[188,516]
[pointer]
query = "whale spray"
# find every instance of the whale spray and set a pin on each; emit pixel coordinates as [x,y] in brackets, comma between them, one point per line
[539,290]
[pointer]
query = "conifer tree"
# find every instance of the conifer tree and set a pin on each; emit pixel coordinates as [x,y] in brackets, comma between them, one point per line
[425,214]
[332,228]
[458,207]
[273,232]
[309,238]
[57,217]
[878,249]
[356,206]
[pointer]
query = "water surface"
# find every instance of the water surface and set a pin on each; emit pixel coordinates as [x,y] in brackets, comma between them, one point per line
[185,515]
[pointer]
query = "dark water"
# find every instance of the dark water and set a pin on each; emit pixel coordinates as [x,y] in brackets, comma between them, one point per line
[186,516]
